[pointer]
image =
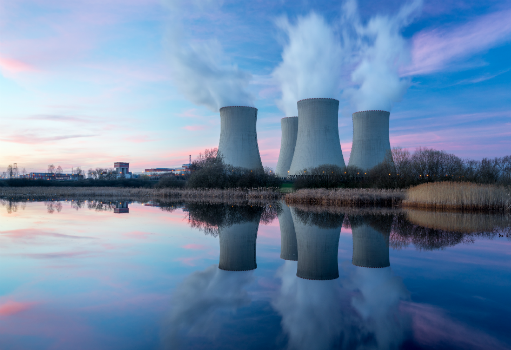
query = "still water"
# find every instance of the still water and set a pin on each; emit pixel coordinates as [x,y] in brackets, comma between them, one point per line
[85,275]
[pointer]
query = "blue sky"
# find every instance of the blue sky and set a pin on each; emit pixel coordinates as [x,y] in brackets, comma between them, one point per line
[87,83]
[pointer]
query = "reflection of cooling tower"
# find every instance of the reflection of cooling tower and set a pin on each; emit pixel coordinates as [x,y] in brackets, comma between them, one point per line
[370,139]
[317,142]
[238,246]
[288,247]
[287,145]
[317,250]
[238,137]
[370,245]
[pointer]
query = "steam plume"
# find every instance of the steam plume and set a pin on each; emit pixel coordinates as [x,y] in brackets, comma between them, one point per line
[199,69]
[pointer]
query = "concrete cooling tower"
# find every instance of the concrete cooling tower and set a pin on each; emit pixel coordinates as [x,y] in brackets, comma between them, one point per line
[238,137]
[370,139]
[238,246]
[288,245]
[289,128]
[370,243]
[317,250]
[317,142]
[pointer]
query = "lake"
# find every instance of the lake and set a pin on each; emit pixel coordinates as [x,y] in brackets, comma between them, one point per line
[123,275]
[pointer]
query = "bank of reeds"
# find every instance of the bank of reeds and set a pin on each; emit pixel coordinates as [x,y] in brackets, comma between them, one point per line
[137,194]
[356,197]
[459,196]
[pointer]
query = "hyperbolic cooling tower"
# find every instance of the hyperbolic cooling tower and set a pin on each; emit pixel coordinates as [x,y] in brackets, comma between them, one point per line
[238,137]
[317,142]
[317,250]
[371,241]
[370,139]
[289,127]
[238,246]
[288,247]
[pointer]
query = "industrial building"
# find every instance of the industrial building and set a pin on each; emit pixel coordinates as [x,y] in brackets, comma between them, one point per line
[289,127]
[317,249]
[370,139]
[317,141]
[123,169]
[238,137]
[371,237]
[121,208]
[288,245]
[54,176]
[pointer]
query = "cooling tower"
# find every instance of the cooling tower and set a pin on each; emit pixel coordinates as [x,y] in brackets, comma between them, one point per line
[370,139]
[317,250]
[288,245]
[371,241]
[317,142]
[238,246]
[289,128]
[238,137]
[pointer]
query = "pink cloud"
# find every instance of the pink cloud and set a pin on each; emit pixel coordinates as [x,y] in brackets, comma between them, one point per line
[13,307]
[433,50]
[195,246]
[32,139]
[15,66]
[138,234]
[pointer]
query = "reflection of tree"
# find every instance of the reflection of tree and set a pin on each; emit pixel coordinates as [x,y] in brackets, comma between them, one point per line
[12,205]
[51,207]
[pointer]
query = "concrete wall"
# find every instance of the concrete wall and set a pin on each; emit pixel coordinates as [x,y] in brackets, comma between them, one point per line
[238,246]
[288,244]
[370,138]
[238,137]
[317,142]
[370,246]
[317,250]
[289,128]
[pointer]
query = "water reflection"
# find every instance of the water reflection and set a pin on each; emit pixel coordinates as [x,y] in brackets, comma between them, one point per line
[121,208]
[288,244]
[371,234]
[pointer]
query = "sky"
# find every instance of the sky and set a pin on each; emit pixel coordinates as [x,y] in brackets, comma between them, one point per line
[91,82]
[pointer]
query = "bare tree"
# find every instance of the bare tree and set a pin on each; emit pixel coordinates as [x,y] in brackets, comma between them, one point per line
[59,170]
[9,172]
[51,169]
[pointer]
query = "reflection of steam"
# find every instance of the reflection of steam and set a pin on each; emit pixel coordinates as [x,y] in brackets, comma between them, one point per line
[311,310]
[202,298]
[380,293]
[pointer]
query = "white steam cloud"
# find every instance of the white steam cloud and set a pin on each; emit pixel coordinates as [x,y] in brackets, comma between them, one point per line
[310,62]
[320,59]
[200,70]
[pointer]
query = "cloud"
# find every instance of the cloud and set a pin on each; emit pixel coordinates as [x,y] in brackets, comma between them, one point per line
[194,127]
[434,49]
[33,233]
[13,307]
[32,139]
[14,66]
[58,118]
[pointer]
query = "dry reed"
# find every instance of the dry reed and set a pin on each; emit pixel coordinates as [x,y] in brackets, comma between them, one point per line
[459,196]
[356,197]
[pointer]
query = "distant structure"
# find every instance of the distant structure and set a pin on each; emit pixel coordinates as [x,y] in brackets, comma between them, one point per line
[123,169]
[121,208]
[317,142]
[54,176]
[317,249]
[289,128]
[288,245]
[370,139]
[238,137]
[238,246]
[371,237]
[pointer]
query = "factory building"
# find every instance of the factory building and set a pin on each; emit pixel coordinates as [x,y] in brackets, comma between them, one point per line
[370,139]
[289,127]
[371,235]
[121,208]
[317,248]
[53,176]
[238,137]
[317,141]
[288,245]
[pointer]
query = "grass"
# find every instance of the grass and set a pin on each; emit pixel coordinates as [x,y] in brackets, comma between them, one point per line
[459,196]
[357,197]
